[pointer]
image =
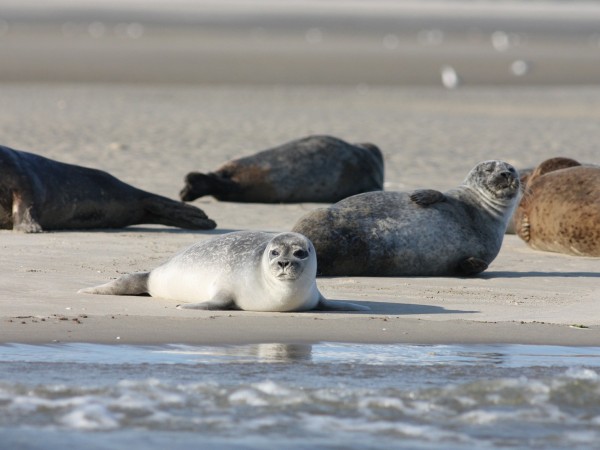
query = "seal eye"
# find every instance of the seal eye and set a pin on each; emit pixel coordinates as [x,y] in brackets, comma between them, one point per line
[274,253]
[300,254]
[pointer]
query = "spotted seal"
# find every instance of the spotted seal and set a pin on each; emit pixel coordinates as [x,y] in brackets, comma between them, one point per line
[248,270]
[311,169]
[560,209]
[425,232]
[38,194]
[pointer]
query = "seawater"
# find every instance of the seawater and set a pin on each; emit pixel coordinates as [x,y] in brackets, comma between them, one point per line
[299,396]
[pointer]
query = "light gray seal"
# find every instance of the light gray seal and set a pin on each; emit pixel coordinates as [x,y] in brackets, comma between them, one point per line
[38,194]
[560,210]
[426,232]
[311,169]
[248,270]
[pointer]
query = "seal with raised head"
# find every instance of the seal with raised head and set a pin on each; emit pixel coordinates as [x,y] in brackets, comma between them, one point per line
[38,194]
[560,208]
[423,233]
[248,270]
[311,169]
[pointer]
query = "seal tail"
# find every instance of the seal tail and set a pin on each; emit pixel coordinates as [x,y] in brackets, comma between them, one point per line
[130,284]
[199,184]
[169,212]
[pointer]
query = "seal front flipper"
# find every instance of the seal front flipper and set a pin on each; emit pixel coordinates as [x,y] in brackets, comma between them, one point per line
[130,284]
[24,221]
[426,197]
[524,231]
[335,305]
[219,301]
[472,266]
[165,211]
[23,214]
[199,184]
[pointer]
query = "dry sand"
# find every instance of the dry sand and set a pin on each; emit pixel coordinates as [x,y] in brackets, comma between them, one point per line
[151,136]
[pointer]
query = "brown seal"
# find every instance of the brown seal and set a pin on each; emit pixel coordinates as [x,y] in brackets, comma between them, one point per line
[38,193]
[560,209]
[423,233]
[311,169]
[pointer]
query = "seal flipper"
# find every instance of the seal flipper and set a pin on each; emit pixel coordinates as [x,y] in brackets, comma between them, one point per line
[472,266]
[169,212]
[199,184]
[130,284]
[219,301]
[426,197]
[336,305]
[524,231]
[23,216]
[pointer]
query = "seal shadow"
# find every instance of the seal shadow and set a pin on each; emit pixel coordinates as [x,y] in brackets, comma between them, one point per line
[512,274]
[390,308]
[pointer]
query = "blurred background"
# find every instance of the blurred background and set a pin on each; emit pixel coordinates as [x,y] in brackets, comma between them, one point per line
[325,42]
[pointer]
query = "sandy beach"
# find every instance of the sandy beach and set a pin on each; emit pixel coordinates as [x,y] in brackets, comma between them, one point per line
[151,134]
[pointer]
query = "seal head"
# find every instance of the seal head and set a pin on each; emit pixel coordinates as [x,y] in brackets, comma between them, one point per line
[290,256]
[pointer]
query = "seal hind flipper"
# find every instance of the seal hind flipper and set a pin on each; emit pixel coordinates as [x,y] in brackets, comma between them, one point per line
[336,305]
[199,184]
[426,197]
[130,284]
[472,266]
[218,302]
[165,211]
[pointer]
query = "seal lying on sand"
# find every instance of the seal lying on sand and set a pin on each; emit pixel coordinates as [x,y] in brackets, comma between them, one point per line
[38,193]
[249,270]
[425,232]
[312,169]
[560,210]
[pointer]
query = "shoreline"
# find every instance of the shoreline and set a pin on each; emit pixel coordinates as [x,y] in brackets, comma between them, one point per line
[215,330]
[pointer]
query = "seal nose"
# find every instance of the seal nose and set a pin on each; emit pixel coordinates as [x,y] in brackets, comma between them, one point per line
[507,175]
[283,264]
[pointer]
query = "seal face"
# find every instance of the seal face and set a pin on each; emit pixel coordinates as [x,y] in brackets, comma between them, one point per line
[248,270]
[38,193]
[425,232]
[560,209]
[311,169]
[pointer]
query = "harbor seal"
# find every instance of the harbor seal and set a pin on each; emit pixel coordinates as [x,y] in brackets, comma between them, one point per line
[38,194]
[423,233]
[311,169]
[248,270]
[560,209]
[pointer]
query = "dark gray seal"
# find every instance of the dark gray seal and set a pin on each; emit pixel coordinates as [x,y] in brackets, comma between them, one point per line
[560,209]
[425,232]
[38,193]
[311,169]
[248,270]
